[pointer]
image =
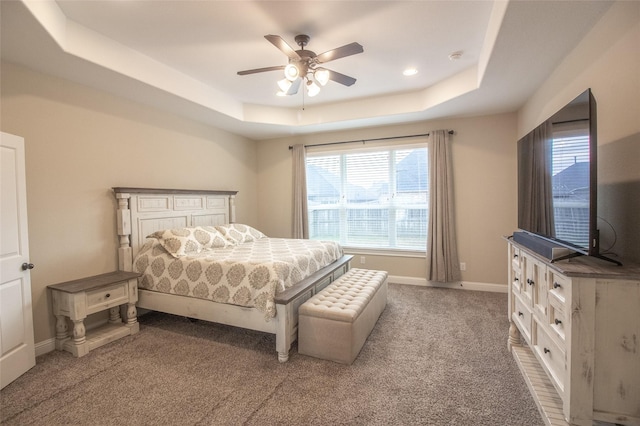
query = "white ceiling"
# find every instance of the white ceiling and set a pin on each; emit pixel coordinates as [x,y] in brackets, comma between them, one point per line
[183,56]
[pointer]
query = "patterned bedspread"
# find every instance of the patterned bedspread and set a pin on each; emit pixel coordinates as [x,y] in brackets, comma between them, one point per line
[247,274]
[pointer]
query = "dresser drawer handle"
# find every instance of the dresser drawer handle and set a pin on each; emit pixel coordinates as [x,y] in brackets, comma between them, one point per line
[557,321]
[515,256]
[520,314]
[108,295]
[546,350]
[516,279]
[530,281]
[556,285]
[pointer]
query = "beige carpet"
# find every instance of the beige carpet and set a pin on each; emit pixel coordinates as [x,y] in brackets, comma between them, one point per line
[436,357]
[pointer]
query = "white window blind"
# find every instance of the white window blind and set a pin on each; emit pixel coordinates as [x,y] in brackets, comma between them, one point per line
[373,198]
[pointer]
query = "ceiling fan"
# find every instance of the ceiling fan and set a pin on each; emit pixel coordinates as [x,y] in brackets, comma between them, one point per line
[304,65]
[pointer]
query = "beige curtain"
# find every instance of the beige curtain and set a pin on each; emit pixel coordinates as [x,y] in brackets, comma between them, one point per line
[534,165]
[442,252]
[300,215]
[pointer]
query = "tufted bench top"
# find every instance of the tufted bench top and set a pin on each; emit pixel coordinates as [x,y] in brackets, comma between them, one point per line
[345,298]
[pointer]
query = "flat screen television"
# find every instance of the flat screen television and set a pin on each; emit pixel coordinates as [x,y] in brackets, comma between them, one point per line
[557,179]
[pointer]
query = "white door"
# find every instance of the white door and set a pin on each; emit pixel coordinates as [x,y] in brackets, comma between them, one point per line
[17,351]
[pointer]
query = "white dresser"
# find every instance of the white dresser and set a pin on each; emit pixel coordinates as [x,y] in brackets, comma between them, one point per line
[575,334]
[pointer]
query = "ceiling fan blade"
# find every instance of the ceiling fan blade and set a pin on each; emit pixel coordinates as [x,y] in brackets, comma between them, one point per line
[279,42]
[295,85]
[341,78]
[340,52]
[257,70]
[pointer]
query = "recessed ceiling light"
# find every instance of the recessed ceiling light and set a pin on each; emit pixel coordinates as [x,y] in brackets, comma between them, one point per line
[454,56]
[410,71]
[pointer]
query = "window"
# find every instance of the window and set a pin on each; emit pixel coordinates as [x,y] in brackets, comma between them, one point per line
[374,199]
[570,182]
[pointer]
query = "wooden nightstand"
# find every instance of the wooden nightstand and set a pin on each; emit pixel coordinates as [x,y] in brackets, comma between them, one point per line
[79,298]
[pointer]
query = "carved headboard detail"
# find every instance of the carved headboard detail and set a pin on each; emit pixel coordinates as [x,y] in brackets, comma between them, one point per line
[142,211]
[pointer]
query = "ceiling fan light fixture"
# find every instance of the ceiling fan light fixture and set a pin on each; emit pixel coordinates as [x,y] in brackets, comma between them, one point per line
[302,66]
[312,88]
[284,85]
[322,76]
[291,72]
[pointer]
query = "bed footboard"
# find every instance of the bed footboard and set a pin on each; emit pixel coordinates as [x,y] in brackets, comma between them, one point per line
[288,302]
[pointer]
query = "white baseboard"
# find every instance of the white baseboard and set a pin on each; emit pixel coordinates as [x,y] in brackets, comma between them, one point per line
[460,285]
[50,344]
[45,346]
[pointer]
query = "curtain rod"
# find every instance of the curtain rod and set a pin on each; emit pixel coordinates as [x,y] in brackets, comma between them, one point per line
[370,140]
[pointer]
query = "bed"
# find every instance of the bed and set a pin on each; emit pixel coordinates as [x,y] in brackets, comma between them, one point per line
[144,211]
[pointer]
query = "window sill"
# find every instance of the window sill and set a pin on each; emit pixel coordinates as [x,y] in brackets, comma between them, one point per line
[385,252]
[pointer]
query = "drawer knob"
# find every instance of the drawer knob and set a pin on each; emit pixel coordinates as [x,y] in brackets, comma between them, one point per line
[520,314]
[516,279]
[515,256]
[530,281]
[557,321]
[108,295]
[546,350]
[556,285]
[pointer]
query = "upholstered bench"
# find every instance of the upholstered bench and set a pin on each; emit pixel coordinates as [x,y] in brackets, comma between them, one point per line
[335,323]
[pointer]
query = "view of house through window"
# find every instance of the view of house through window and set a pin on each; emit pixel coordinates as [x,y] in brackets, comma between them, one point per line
[369,198]
[570,181]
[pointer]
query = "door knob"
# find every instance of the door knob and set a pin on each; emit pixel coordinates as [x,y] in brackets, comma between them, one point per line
[26,266]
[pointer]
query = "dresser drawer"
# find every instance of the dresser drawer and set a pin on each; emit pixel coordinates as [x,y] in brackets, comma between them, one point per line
[559,285]
[515,258]
[522,317]
[516,284]
[533,276]
[551,354]
[557,318]
[108,297]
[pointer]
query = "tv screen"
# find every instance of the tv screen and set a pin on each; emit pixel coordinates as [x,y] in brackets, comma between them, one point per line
[557,179]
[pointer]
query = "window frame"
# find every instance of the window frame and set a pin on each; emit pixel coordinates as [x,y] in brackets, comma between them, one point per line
[320,150]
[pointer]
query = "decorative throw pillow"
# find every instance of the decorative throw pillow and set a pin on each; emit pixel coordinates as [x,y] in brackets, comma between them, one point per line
[216,240]
[239,233]
[188,241]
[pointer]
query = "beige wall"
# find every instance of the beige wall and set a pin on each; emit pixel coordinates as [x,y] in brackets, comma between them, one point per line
[484,162]
[80,143]
[607,60]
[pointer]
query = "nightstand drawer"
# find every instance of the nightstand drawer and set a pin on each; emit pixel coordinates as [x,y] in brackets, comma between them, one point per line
[101,299]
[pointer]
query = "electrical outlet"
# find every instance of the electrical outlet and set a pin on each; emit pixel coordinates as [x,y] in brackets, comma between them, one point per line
[362,260]
[463,266]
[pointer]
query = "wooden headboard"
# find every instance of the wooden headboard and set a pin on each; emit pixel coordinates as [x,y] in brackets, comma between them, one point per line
[142,211]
